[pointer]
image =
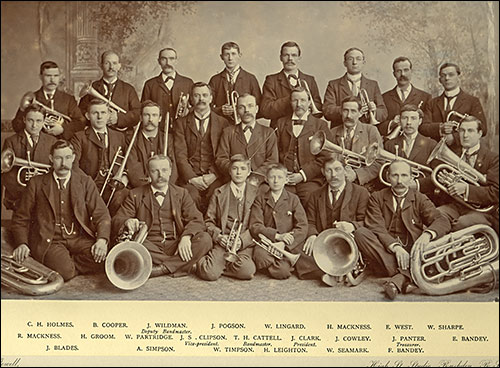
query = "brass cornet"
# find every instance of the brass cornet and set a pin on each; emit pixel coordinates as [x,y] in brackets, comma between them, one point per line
[365,100]
[232,99]
[276,252]
[232,242]
[27,169]
[454,122]
[182,106]
[314,109]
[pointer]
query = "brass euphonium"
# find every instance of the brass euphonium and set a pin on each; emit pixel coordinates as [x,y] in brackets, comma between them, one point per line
[275,251]
[27,169]
[182,106]
[365,100]
[458,261]
[314,109]
[129,264]
[454,122]
[232,242]
[462,172]
[336,254]
[52,116]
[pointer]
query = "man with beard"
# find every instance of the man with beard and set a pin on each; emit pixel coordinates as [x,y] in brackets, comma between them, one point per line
[278,87]
[55,99]
[350,84]
[166,88]
[176,236]
[232,78]
[294,133]
[196,140]
[394,223]
[403,94]
[255,141]
[61,219]
[117,91]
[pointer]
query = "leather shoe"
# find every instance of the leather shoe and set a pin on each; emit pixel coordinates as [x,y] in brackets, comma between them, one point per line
[159,270]
[391,290]
[410,288]
[329,279]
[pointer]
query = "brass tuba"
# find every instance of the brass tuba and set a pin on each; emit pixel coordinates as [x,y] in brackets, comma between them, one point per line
[461,170]
[28,277]
[336,253]
[27,169]
[276,252]
[129,264]
[458,261]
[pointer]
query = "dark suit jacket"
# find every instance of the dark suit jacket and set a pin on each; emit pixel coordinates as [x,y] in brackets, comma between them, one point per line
[245,83]
[88,149]
[276,94]
[20,145]
[139,204]
[417,211]
[155,90]
[269,218]
[187,139]
[364,136]
[338,89]
[434,113]
[233,141]
[218,209]
[63,103]
[352,209]
[394,104]
[420,152]
[310,164]
[124,95]
[34,222]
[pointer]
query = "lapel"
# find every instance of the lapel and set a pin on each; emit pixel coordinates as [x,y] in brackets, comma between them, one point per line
[213,130]
[417,146]
[240,78]
[191,122]
[481,156]
[76,191]
[250,193]
[256,135]
[93,138]
[307,130]
[363,83]
[283,80]
[176,87]
[440,105]
[408,202]
[323,198]
[347,197]
[162,85]
[344,86]
[147,199]
[459,101]
[289,127]
[99,86]
[238,133]
[388,200]
[357,133]
[223,200]
[48,190]
[282,200]
[175,203]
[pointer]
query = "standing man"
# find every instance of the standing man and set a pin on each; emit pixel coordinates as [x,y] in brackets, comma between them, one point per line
[294,133]
[30,144]
[255,141]
[166,88]
[394,223]
[453,98]
[50,96]
[350,84]
[117,91]
[61,219]
[403,94]
[278,87]
[176,236]
[232,78]
[196,140]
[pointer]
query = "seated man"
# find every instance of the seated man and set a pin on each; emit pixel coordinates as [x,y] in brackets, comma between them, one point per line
[394,223]
[229,209]
[176,236]
[62,219]
[294,134]
[279,216]
[338,204]
[29,144]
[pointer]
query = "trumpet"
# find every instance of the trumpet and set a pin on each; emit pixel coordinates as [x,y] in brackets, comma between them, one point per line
[182,106]
[275,251]
[232,241]
[232,99]
[28,168]
[314,109]
[365,100]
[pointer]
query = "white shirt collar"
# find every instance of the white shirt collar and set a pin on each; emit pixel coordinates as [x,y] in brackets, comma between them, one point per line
[471,150]
[452,93]
[411,137]
[295,73]
[164,76]
[304,117]
[252,124]
[207,114]
[407,90]
[235,189]
[339,190]
[65,181]
[276,197]
[28,136]
[46,94]
[354,77]
[96,131]
[236,71]
[113,81]
[154,190]
[147,137]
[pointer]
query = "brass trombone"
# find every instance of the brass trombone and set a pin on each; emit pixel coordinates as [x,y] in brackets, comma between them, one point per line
[27,169]
[314,109]
[365,100]
[275,251]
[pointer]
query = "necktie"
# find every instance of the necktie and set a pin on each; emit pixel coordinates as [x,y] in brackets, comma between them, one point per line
[403,96]
[348,139]
[298,122]
[102,138]
[50,96]
[334,196]
[399,201]
[354,88]
[293,79]
[406,147]
[202,126]
[109,89]
[60,182]
[468,158]
[34,140]
[447,103]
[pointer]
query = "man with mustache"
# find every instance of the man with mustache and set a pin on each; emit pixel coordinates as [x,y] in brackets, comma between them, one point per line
[404,93]
[166,88]
[350,84]
[196,140]
[278,87]
[394,223]
[232,78]
[294,133]
[255,141]
[360,138]
[62,221]
[117,91]
[176,236]
[453,98]
[55,99]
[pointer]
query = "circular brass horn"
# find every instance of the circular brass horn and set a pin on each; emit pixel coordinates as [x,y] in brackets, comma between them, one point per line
[128,265]
[335,252]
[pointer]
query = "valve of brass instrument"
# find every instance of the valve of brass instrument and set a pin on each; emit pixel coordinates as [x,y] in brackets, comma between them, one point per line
[26,100]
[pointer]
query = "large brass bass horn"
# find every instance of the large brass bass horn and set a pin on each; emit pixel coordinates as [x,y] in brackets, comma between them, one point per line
[336,254]
[461,170]
[28,277]
[129,264]
[27,169]
[457,261]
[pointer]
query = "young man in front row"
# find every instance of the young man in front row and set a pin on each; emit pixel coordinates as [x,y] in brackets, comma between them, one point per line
[279,216]
[229,208]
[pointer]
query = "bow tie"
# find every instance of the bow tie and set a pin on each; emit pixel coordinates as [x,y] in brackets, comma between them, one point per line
[168,78]
[290,76]
[160,194]
[298,122]
[248,127]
